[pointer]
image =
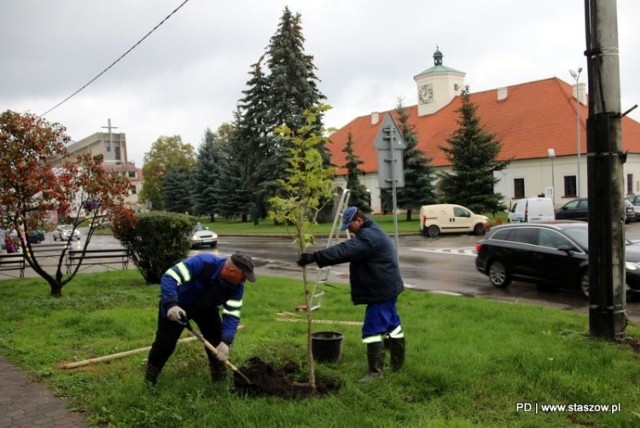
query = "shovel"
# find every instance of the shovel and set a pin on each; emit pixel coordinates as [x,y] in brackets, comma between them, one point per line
[213,349]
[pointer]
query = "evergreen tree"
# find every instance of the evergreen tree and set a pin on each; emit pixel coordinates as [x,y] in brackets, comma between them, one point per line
[275,97]
[176,189]
[253,148]
[359,197]
[292,90]
[419,174]
[205,175]
[233,190]
[292,80]
[472,153]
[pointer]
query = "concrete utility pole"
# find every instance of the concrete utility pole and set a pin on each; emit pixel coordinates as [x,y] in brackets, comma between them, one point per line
[607,298]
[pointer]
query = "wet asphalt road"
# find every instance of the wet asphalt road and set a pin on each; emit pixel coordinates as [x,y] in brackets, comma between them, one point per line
[445,264]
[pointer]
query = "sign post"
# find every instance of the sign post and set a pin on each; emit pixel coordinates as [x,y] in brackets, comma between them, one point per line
[390,146]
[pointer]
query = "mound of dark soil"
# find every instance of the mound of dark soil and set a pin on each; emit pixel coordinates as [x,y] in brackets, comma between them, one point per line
[267,379]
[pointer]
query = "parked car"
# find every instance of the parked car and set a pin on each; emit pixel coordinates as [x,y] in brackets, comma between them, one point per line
[203,236]
[62,233]
[450,218]
[550,253]
[575,209]
[635,201]
[36,236]
[532,210]
[578,209]
[631,212]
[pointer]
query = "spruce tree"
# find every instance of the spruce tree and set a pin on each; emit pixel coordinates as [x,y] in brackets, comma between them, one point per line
[359,197]
[205,175]
[419,174]
[472,153]
[232,189]
[176,189]
[252,146]
[292,80]
[277,95]
[292,89]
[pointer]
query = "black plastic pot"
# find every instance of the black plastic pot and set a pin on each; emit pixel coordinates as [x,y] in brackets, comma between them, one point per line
[326,346]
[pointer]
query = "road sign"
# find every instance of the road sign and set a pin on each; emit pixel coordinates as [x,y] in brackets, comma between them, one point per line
[390,144]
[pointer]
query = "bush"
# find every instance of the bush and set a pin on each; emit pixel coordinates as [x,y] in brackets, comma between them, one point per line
[156,241]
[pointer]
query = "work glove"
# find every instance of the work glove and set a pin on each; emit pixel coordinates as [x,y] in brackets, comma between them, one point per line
[223,351]
[306,258]
[176,313]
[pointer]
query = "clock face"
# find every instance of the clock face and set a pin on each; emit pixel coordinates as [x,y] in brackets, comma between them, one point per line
[425,93]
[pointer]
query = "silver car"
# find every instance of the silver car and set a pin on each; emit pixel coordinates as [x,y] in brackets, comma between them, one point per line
[64,232]
[202,236]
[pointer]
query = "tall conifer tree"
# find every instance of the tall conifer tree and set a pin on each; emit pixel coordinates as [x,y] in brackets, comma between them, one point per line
[359,197]
[252,147]
[205,175]
[419,174]
[472,153]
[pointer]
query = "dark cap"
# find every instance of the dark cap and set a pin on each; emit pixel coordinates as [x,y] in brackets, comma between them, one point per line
[347,217]
[244,262]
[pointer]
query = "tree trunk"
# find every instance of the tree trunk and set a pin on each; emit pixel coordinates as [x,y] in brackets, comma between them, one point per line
[56,288]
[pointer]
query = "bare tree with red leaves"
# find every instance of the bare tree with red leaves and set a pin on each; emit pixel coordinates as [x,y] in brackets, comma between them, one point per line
[37,177]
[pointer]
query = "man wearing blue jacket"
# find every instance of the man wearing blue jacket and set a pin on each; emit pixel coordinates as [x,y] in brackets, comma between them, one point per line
[196,289]
[375,281]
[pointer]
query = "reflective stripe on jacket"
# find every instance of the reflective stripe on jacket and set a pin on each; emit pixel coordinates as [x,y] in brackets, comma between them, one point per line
[195,284]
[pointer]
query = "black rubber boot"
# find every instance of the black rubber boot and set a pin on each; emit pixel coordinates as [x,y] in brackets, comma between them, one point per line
[375,357]
[151,375]
[397,348]
[218,371]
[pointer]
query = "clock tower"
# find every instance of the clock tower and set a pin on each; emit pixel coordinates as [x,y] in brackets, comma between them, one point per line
[437,85]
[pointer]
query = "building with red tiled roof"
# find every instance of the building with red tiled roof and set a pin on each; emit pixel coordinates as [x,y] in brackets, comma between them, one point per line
[537,123]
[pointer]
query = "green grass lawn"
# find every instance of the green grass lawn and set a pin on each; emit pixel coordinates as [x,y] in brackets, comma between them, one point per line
[470,361]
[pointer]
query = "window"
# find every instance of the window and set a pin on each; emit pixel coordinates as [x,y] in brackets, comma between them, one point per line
[570,186]
[526,235]
[629,184]
[460,212]
[518,188]
[132,190]
[552,239]
[132,174]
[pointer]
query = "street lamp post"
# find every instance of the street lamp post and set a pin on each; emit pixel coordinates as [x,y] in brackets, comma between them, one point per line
[552,154]
[576,77]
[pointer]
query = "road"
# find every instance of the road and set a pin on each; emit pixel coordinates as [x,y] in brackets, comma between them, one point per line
[445,264]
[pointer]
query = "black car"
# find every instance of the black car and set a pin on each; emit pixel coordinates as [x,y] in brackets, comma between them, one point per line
[36,236]
[553,253]
[575,209]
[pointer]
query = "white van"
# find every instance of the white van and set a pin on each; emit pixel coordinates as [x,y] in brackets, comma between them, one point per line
[450,218]
[532,210]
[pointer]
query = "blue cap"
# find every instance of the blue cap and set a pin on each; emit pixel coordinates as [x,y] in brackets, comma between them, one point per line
[347,217]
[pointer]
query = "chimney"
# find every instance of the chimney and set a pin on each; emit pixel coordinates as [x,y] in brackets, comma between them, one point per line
[375,118]
[502,93]
[580,93]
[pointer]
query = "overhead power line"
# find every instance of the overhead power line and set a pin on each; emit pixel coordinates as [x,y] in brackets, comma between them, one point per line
[114,62]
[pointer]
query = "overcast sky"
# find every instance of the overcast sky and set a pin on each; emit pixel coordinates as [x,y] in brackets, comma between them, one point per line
[190,73]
